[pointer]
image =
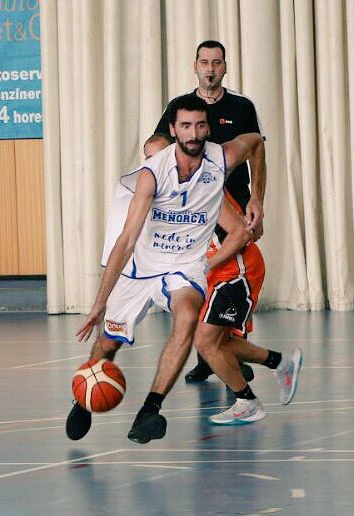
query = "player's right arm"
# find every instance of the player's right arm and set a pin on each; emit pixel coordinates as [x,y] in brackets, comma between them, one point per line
[122,250]
[238,235]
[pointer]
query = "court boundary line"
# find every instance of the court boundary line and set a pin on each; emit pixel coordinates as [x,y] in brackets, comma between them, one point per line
[46,362]
[285,410]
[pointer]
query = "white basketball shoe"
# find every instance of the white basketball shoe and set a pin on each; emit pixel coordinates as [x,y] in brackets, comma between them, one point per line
[241,412]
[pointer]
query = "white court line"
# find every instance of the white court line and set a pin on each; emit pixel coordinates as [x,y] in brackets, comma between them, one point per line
[35,429]
[312,411]
[303,340]
[328,367]
[191,409]
[204,450]
[298,493]
[224,461]
[153,463]
[46,362]
[67,368]
[82,460]
[24,463]
[57,464]
[74,341]
[142,465]
[334,368]
[159,466]
[258,475]
[65,359]
[217,407]
[37,341]
[331,436]
[123,421]
[148,479]
[31,420]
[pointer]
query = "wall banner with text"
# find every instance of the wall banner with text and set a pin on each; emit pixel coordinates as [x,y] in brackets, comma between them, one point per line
[20,70]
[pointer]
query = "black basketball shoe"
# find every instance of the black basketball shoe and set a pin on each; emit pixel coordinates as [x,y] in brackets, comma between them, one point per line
[147,426]
[78,422]
[202,371]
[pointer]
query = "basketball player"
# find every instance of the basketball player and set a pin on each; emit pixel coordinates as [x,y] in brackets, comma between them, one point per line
[254,267]
[171,218]
[230,115]
[233,289]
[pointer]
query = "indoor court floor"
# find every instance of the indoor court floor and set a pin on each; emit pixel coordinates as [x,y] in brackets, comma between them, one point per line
[298,461]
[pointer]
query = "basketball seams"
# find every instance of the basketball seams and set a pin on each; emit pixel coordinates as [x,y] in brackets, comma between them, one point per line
[94,387]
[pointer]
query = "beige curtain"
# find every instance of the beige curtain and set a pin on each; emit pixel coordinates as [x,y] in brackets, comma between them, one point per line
[109,68]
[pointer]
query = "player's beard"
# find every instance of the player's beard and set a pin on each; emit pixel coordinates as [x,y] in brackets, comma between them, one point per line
[191,152]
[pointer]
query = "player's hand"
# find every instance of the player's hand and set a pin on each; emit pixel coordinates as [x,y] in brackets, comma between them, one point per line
[254,213]
[94,319]
[258,231]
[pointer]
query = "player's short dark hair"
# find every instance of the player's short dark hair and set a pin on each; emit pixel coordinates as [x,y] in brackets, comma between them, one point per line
[188,102]
[210,43]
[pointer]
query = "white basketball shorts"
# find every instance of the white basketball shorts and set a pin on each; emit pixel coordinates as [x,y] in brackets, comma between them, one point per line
[130,299]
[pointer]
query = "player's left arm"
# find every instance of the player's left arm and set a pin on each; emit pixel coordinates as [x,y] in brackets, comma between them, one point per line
[238,235]
[250,147]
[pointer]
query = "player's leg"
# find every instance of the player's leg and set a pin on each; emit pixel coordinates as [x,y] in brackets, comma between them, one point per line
[221,355]
[238,298]
[286,366]
[228,304]
[213,342]
[79,420]
[185,304]
[202,371]
[128,303]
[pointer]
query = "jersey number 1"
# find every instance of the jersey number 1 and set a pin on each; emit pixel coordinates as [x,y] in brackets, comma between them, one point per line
[184,198]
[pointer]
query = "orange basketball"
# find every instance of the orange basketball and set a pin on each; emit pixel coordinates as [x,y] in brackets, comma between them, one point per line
[98,385]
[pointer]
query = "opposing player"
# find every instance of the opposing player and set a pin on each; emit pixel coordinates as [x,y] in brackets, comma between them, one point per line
[171,218]
[233,289]
[252,268]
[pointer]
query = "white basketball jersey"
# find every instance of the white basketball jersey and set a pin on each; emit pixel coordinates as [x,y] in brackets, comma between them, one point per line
[182,217]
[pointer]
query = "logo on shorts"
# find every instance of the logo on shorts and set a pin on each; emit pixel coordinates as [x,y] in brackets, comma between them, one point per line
[116,327]
[229,315]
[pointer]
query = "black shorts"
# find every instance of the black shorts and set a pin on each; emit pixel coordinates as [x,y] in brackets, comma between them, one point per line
[229,305]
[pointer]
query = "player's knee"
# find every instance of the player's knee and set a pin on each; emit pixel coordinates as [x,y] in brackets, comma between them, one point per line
[206,340]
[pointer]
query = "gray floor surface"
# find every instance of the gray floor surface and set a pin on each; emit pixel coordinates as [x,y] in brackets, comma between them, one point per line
[296,462]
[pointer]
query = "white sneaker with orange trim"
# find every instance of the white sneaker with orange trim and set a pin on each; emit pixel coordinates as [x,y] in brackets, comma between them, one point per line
[287,374]
[241,412]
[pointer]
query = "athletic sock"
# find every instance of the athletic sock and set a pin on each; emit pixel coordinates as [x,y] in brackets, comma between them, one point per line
[273,359]
[203,365]
[152,403]
[245,394]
